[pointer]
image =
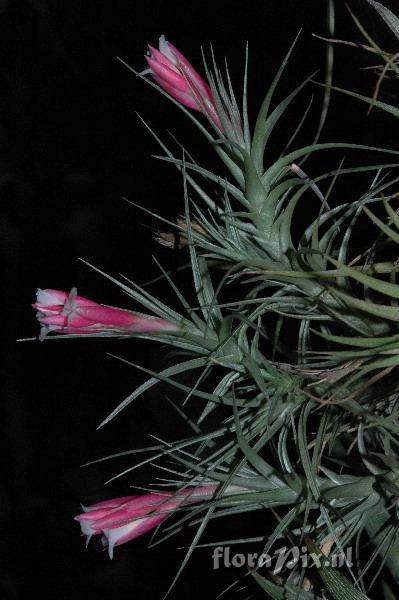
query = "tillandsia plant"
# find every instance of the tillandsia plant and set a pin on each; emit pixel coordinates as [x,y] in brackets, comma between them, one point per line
[292,344]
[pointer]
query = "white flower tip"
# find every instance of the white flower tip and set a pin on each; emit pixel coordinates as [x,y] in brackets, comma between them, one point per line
[106,541]
[44,330]
[72,294]
[165,49]
[69,302]
[44,298]
[145,72]
[86,528]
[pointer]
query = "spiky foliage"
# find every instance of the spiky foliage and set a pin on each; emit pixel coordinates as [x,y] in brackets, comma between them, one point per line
[293,349]
[389,62]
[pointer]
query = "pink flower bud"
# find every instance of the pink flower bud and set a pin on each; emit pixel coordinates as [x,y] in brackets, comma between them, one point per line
[69,313]
[123,519]
[172,71]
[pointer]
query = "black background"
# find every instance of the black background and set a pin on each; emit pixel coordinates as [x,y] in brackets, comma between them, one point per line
[72,146]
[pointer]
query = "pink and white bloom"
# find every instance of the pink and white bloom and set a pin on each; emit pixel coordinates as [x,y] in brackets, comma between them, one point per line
[123,519]
[69,313]
[172,71]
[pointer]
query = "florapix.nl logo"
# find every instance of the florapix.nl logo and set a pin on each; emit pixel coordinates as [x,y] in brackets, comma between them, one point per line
[289,558]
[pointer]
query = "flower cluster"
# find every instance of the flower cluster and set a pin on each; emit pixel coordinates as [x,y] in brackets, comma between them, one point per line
[69,313]
[123,519]
[172,71]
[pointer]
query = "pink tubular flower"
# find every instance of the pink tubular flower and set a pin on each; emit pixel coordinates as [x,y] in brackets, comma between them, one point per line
[123,519]
[172,71]
[69,313]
